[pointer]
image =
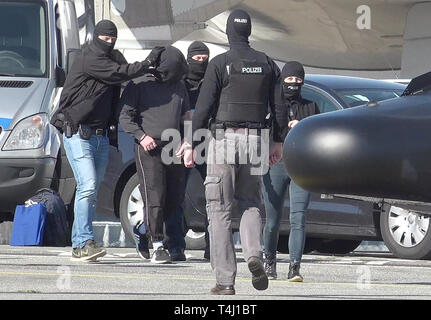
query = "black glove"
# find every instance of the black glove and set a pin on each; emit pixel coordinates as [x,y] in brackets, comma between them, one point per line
[156,74]
[154,56]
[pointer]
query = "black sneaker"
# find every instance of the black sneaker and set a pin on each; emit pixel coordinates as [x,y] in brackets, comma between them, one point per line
[141,243]
[270,265]
[259,278]
[177,254]
[294,275]
[91,251]
[160,256]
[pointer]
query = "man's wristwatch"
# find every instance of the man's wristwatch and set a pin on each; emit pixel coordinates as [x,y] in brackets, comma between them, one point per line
[143,137]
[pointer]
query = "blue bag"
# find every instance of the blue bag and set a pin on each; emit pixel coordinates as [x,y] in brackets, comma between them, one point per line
[28,225]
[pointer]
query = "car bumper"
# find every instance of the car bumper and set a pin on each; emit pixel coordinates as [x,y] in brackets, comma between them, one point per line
[20,179]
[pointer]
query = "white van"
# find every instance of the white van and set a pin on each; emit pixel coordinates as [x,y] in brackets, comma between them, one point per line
[35,37]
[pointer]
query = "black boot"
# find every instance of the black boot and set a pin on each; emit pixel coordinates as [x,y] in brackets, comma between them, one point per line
[270,264]
[222,290]
[294,275]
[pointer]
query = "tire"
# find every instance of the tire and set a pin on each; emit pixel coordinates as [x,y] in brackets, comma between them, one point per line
[131,211]
[337,246]
[131,206]
[195,240]
[283,244]
[406,234]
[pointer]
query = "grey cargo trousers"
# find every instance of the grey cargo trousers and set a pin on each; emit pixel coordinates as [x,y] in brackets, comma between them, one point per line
[233,182]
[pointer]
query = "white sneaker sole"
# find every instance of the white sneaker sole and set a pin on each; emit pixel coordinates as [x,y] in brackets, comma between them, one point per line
[296,279]
[161,262]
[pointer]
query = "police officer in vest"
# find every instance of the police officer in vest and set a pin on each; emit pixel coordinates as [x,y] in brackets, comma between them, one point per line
[238,93]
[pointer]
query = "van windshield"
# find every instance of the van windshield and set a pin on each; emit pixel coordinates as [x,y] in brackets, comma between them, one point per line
[23,39]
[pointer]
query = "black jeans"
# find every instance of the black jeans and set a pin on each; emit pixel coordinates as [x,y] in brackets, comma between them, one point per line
[161,187]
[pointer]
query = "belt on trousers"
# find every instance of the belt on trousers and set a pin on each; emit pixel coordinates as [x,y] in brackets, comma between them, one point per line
[245,131]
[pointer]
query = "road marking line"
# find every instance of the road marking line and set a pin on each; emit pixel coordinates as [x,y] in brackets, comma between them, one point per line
[272,283]
[377,263]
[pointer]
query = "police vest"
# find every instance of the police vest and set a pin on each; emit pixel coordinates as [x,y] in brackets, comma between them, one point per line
[245,98]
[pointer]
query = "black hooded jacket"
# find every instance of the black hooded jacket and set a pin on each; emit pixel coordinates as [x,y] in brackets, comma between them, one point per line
[238,30]
[92,85]
[291,105]
[150,106]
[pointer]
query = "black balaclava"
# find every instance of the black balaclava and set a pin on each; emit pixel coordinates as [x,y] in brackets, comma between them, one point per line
[104,28]
[238,27]
[292,69]
[173,66]
[197,68]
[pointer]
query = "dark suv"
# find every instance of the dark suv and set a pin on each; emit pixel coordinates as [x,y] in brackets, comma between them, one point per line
[333,225]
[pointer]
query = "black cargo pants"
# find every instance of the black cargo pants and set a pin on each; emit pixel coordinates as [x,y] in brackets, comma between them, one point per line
[231,181]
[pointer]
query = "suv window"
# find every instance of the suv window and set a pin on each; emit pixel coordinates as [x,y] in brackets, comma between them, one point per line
[323,102]
[359,96]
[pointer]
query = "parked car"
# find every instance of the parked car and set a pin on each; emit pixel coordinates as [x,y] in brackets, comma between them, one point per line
[334,225]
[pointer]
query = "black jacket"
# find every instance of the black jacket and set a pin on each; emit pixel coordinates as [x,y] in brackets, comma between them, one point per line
[216,78]
[94,82]
[193,88]
[150,107]
[294,110]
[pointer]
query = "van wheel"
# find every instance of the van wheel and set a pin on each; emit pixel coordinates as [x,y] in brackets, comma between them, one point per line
[407,234]
[131,206]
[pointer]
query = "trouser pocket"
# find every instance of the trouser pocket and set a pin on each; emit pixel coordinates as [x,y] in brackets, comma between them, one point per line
[214,191]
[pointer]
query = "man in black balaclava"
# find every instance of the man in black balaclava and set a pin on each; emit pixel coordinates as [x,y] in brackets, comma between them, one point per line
[197,59]
[149,106]
[105,35]
[294,108]
[87,115]
[237,94]
[293,78]
[291,109]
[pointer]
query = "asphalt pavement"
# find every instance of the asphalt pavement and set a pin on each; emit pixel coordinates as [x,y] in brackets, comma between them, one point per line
[48,273]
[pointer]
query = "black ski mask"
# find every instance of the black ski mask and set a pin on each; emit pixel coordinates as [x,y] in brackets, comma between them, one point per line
[173,66]
[238,27]
[197,68]
[292,69]
[104,28]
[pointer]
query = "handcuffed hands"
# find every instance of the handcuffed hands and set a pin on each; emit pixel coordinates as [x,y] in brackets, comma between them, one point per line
[148,143]
[275,153]
[186,151]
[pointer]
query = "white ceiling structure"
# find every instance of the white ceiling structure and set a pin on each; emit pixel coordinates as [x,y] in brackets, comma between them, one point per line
[322,34]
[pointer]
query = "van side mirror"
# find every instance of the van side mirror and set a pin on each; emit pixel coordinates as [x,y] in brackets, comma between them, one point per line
[60,76]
